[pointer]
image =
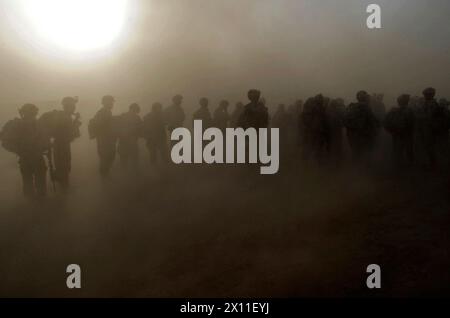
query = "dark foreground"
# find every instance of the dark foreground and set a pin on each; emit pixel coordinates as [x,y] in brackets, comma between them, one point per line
[229,232]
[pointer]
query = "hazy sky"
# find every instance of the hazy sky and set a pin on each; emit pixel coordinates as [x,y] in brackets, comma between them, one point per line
[220,48]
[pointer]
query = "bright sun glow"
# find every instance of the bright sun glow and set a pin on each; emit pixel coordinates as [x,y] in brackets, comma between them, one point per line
[76,25]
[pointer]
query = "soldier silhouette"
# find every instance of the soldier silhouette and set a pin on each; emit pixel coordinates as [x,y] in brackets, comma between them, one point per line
[281,118]
[433,123]
[400,123]
[316,128]
[130,130]
[63,126]
[221,116]
[103,128]
[203,113]
[362,127]
[335,116]
[174,114]
[154,131]
[238,109]
[255,114]
[30,142]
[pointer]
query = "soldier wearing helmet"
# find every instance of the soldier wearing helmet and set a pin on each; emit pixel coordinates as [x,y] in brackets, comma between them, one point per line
[221,116]
[103,128]
[203,113]
[255,114]
[400,123]
[130,130]
[433,122]
[26,138]
[238,109]
[362,126]
[154,131]
[316,127]
[335,117]
[63,126]
[174,114]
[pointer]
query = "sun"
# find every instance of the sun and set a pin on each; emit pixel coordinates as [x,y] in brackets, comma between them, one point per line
[75,25]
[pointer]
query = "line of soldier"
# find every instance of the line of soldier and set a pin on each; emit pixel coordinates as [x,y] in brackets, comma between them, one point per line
[318,125]
[415,125]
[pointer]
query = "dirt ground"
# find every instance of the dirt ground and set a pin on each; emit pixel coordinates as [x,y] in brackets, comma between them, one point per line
[226,231]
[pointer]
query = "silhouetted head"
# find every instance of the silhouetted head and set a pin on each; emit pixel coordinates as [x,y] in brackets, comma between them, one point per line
[403,100]
[363,97]
[224,104]
[28,111]
[157,108]
[429,93]
[319,100]
[177,100]
[69,104]
[108,101]
[135,108]
[254,95]
[309,103]
[204,102]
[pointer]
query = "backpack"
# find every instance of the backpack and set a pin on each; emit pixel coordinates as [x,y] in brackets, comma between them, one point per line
[9,135]
[49,123]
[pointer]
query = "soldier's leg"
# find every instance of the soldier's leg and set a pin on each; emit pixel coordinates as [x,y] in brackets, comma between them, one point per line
[27,178]
[40,178]
[63,161]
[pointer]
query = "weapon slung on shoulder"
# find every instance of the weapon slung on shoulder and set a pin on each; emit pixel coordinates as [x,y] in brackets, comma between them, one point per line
[51,167]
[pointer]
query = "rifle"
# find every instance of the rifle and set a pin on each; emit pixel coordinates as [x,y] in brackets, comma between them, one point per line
[52,171]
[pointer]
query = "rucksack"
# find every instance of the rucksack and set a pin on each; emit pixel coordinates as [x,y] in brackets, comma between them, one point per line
[9,135]
[49,123]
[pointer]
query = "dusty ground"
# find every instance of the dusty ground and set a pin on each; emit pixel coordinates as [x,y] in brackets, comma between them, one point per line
[226,231]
